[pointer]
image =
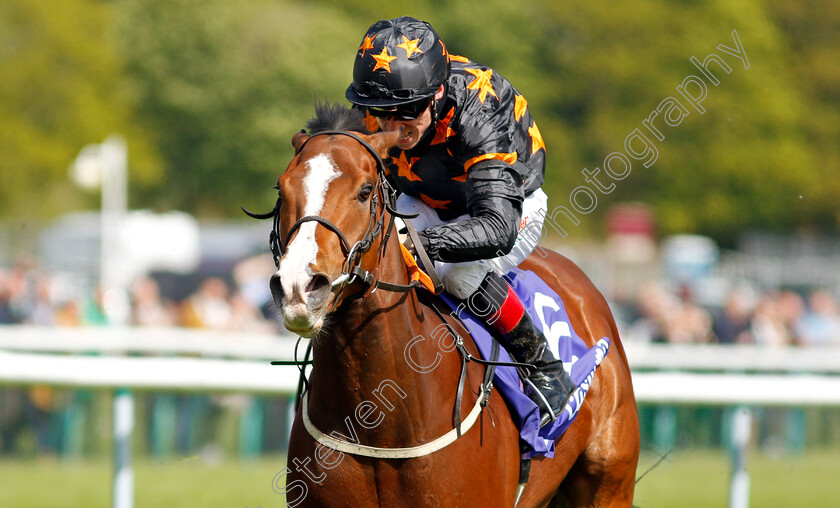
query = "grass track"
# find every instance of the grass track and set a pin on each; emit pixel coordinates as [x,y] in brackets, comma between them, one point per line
[700,479]
[172,483]
[695,479]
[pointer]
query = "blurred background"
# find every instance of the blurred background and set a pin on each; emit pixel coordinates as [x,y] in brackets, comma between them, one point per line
[131,131]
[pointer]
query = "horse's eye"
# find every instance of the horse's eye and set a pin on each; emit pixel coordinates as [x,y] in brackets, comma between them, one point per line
[364,194]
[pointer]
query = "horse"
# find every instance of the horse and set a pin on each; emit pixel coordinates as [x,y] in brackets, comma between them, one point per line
[373,429]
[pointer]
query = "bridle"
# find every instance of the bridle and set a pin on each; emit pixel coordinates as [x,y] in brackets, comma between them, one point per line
[352,270]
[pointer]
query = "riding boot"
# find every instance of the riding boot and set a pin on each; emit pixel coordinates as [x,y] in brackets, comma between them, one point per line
[549,385]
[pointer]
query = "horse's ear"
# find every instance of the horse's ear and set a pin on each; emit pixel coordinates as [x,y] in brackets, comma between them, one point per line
[298,140]
[382,141]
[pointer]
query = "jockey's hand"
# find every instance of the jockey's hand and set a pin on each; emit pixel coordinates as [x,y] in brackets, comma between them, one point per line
[406,240]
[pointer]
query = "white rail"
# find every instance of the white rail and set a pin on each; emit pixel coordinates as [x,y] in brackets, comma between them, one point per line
[732,358]
[148,341]
[214,375]
[237,361]
[160,374]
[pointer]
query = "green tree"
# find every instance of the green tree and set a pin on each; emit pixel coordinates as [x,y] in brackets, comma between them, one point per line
[744,163]
[61,88]
[226,84]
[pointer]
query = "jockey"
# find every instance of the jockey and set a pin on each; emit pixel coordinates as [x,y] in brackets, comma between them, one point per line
[469,162]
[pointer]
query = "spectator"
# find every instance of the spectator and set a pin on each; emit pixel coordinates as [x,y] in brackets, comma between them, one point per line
[8,315]
[246,317]
[687,322]
[732,325]
[208,307]
[148,308]
[767,327]
[821,324]
[652,305]
[791,311]
[42,309]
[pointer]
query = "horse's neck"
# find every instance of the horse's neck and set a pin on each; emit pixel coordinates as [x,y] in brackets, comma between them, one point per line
[361,368]
[367,336]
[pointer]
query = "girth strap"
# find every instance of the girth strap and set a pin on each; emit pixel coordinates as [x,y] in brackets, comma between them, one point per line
[391,453]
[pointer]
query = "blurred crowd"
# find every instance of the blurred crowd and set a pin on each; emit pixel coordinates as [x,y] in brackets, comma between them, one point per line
[661,312]
[745,316]
[45,420]
[30,295]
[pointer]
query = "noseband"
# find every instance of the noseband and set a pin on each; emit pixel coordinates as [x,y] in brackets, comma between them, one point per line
[351,269]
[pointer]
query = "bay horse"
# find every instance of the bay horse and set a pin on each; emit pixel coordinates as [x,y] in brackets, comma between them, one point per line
[384,427]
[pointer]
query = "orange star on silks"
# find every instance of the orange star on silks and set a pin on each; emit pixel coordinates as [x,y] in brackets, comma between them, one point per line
[536,138]
[366,45]
[410,46]
[435,203]
[519,107]
[482,83]
[404,167]
[383,60]
[442,130]
[457,58]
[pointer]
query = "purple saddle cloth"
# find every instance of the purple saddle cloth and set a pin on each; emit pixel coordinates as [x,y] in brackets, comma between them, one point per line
[548,312]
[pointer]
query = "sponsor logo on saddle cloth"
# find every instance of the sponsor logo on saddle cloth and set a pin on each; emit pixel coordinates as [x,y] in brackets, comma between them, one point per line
[546,309]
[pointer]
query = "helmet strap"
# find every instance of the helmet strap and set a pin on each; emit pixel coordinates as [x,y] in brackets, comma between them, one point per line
[435,103]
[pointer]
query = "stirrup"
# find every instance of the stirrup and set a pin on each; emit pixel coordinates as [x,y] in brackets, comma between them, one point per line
[548,413]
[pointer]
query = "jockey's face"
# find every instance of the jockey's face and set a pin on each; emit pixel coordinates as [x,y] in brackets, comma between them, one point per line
[411,131]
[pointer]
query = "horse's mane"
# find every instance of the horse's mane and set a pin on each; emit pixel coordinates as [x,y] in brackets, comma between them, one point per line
[335,117]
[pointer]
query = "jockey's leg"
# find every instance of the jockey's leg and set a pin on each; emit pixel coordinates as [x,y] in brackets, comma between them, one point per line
[496,303]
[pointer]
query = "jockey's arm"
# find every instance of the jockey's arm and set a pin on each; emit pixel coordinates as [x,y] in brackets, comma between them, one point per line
[494,203]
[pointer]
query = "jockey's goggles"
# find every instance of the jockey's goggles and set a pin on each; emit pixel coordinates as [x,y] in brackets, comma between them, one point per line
[409,111]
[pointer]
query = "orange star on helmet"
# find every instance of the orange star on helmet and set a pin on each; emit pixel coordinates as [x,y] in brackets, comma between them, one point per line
[383,60]
[410,46]
[482,83]
[366,45]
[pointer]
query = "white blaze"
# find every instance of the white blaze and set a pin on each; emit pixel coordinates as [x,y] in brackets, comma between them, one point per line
[294,269]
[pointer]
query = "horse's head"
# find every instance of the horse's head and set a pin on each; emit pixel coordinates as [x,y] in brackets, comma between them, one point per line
[330,213]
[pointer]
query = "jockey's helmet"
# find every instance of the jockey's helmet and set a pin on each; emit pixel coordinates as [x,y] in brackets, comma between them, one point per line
[399,61]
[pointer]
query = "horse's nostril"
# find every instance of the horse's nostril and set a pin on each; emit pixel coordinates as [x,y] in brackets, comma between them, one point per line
[317,282]
[318,290]
[276,290]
